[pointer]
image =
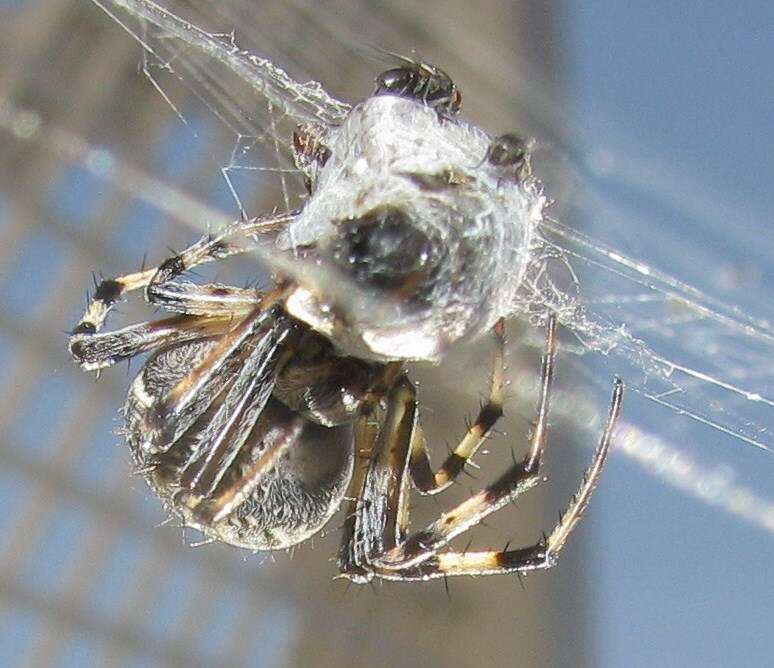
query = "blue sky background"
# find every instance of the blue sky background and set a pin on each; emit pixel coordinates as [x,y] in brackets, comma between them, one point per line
[686,86]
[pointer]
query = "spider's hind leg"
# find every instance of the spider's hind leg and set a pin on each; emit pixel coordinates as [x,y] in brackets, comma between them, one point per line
[520,477]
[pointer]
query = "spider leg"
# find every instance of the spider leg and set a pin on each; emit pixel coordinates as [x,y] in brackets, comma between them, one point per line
[380,516]
[226,430]
[223,499]
[381,513]
[352,554]
[105,349]
[172,412]
[371,527]
[206,300]
[421,471]
[520,477]
[218,450]
[216,306]
[371,453]
[377,543]
[208,248]
[541,555]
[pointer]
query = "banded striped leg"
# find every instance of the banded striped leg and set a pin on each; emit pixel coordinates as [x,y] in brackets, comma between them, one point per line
[212,405]
[210,310]
[541,555]
[422,474]
[383,509]
[105,349]
[197,418]
[380,516]
[351,553]
[208,248]
[168,415]
[226,433]
[520,477]
[224,497]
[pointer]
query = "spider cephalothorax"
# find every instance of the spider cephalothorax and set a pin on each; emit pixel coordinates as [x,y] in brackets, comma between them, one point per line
[247,415]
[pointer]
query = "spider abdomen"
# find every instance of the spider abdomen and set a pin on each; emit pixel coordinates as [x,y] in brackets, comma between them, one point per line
[301,488]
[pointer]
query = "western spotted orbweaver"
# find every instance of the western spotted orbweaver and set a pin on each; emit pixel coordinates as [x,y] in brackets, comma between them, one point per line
[247,415]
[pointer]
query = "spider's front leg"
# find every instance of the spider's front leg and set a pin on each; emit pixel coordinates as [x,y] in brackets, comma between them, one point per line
[219,304]
[209,248]
[104,349]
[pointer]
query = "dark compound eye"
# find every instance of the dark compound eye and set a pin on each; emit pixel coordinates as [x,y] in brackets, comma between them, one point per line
[383,248]
[507,150]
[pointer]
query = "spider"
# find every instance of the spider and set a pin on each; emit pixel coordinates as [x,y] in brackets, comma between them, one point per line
[247,416]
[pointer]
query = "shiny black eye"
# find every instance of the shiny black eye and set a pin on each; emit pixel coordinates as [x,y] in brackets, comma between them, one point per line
[507,150]
[384,248]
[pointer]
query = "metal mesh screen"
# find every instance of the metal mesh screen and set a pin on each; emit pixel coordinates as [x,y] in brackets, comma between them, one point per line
[86,575]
